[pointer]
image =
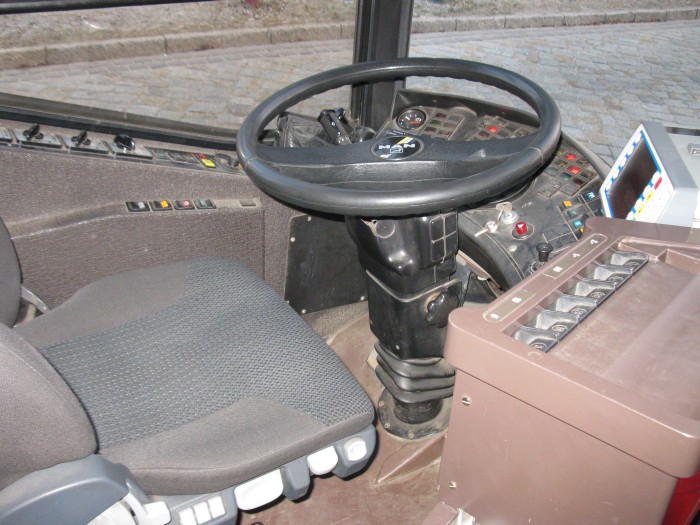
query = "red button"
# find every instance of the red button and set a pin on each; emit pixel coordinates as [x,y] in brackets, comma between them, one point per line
[493,129]
[575,170]
[521,228]
[570,157]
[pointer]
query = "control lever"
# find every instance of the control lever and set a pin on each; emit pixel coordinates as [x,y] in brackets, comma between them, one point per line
[340,112]
[34,132]
[331,122]
[544,250]
[81,138]
[124,142]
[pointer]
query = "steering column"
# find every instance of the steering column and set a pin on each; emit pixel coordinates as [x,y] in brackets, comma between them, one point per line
[409,264]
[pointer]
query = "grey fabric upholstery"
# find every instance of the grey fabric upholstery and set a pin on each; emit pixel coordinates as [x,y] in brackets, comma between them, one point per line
[41,421]
[9,279]
[251,437]
[109,302]
[203,385]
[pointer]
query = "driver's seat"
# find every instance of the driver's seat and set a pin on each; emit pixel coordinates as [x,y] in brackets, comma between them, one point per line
[196,376]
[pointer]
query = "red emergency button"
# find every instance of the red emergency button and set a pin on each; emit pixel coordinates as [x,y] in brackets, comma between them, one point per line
[521,228]
[571,157]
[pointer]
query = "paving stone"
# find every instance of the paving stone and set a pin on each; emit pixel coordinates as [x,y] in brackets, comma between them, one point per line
[479,23]
[305,32]
[433,25]
[179,43]
[13,58]
[689,13]
[104,50]
[534,20]
[619,17]
[584,19]
[347,30]
[650,15]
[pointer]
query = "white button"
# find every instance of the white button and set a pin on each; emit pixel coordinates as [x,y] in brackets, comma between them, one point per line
[201,510]
[355,449]
[216,506]
[187,517]
[322,461]
[259,491]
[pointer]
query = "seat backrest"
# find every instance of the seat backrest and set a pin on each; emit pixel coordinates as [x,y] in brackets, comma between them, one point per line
[10,279]
[42,423]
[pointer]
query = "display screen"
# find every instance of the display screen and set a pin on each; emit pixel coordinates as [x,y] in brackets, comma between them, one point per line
[633,178]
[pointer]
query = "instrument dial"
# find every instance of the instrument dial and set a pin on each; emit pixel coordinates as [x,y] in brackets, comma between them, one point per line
[411,119]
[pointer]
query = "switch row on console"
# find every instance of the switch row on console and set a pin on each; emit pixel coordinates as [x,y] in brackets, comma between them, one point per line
[577,210]
[166,205]
[121,146]
[580,298]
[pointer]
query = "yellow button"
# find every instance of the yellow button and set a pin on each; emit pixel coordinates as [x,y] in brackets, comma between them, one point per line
[208,163]
[567,204]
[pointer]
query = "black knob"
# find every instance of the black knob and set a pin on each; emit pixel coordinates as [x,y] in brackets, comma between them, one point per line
[439,309]
[81,138]
[33,133]
[125,142]
[543,251]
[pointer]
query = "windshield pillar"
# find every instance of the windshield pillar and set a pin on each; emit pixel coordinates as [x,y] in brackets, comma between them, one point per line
[382,32]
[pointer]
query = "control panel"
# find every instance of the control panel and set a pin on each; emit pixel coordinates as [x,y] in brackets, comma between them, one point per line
[120,146]
[513,234]
[509,239]
[656,178]
[578,390]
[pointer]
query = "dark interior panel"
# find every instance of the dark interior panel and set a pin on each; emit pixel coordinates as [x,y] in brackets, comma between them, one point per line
[68,216]
[57,261]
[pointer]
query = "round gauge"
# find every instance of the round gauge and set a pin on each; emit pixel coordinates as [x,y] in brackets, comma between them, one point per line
[411,119]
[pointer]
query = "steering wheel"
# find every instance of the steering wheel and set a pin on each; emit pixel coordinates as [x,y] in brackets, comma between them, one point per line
[363,179]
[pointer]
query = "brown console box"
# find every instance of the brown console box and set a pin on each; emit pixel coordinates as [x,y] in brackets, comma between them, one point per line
[585,413]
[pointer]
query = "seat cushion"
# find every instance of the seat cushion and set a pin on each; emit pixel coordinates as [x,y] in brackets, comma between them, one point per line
[198,376]
[41,421]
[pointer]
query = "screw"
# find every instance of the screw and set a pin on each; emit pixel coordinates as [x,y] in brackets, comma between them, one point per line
[362,298]
[411,435]
[387,425]
[292,239]
[452,485]
[466,401]
[380,404]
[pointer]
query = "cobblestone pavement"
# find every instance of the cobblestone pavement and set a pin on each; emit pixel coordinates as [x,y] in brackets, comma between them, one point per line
[605,79]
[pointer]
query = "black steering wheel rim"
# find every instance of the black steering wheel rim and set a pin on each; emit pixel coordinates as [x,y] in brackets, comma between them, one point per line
[444,194]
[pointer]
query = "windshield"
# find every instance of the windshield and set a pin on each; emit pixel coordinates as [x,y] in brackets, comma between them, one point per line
[211,62]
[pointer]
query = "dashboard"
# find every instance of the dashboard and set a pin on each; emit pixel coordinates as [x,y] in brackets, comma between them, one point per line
[511,235]
[505,238]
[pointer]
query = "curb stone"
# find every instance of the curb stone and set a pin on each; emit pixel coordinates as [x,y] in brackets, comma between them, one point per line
[22,57]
